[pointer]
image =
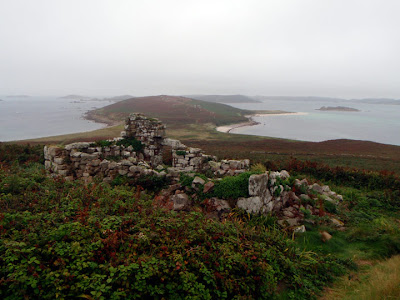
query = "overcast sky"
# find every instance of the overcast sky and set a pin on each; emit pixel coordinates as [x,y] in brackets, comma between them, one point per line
[338,48]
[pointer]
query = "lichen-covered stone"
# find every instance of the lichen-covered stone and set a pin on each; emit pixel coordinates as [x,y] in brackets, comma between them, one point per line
[251,204]
[180,202]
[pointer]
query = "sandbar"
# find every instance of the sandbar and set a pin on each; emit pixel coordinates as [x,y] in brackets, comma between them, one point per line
[251,122]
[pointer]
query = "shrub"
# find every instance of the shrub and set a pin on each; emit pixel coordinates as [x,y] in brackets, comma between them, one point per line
[180,152]
[131,141]
[148,182]
[186,180]
[104,143]
[114,157]
[233,187]
[21,153]
[62,239]
[152,182]
[258,168]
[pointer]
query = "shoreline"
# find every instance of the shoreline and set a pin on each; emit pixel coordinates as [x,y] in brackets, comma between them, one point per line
[98,119]
[251,122]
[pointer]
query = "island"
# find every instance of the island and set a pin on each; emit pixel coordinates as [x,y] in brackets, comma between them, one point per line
[18,96]
[75,97]
[337,108]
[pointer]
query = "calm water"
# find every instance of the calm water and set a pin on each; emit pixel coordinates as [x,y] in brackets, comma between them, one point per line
[378,123]
[33,117]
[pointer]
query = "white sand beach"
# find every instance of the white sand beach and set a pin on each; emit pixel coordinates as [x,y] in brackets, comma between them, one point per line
[251,122]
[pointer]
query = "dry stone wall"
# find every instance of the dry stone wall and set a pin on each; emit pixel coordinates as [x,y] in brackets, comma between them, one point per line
[113,157]
[85,160]
[150,132]
[191,159]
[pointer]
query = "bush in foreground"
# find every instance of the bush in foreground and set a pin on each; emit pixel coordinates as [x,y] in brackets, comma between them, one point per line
[64,239]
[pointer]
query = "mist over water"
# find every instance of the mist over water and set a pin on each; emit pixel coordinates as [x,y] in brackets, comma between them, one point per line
[34,117]
[374,122]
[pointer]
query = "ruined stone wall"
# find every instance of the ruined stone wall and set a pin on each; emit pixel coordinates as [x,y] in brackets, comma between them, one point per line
[190,159]
[150,132]
[268,192]
[85,160]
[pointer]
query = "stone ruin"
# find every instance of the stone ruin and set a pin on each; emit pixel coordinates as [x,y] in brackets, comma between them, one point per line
[150,132]
[268,192]
[114,157]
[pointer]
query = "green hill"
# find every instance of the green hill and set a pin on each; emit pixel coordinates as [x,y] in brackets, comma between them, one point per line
[172,110]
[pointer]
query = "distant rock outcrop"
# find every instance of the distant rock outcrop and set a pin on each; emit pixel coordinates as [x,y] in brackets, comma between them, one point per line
[337,108]
[75,97]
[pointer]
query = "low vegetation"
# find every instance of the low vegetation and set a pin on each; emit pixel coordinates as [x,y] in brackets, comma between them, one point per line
[374,281]
[64,239]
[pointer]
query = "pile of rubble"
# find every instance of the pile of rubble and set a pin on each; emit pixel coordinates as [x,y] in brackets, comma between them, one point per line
[293,201]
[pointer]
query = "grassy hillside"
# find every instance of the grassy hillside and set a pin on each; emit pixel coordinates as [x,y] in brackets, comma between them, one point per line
[346,153]
[173,111]
[98,241]
[224,98]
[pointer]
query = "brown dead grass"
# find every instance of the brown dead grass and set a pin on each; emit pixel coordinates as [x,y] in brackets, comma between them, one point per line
[381,281]
[89,136]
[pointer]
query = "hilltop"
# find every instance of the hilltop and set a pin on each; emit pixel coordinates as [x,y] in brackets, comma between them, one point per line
[172,110]
[225,98]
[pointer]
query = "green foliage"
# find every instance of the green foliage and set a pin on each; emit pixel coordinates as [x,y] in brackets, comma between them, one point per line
[114,157]
[186,180]
[180,152]
[131,141]
[119,180]
[104,143]
[330,207]
[20,153]
[150,182]
[63,239]
[232,187]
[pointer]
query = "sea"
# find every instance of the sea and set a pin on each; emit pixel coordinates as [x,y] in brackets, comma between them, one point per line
[373,122]
[34,117]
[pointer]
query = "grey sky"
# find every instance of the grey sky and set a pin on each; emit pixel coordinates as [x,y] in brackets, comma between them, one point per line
[342,48]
